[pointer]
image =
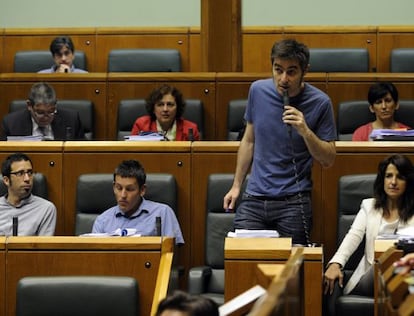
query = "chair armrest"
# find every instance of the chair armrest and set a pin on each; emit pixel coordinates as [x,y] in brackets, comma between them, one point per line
[198,278]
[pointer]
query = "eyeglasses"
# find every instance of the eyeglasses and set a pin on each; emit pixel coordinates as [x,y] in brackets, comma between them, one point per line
[43,114]
[21,173]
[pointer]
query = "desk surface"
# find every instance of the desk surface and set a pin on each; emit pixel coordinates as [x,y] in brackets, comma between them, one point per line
[257,248]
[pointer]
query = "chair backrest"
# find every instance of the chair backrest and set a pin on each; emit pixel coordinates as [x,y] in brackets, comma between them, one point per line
[352,189]
[402,60]
[94,195]
[39,186]
[130,109]
[144,60]
[77,295]
[194,112]
[339,60]
[235,118]
[85,108]
[36,60]
[352,114]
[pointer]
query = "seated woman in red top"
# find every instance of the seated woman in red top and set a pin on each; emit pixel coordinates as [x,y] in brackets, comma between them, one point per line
[383,102]
[165,106]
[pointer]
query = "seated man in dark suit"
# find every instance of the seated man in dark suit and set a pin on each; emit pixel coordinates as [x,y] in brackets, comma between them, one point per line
[43,118]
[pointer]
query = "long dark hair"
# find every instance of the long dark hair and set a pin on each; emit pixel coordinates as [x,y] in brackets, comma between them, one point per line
[406,170]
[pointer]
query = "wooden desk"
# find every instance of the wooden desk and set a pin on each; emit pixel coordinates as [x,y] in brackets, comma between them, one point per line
[138,257]
[242,255]
[2,275]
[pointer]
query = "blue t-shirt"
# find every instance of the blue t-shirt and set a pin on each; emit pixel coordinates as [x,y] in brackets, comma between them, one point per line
[143,220]
[273,170]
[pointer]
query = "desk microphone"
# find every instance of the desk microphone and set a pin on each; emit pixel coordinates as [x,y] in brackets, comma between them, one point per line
[15,225]
[190,134]
[158,225]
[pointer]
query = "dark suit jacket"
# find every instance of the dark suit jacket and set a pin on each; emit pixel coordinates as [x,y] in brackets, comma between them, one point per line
[19,123]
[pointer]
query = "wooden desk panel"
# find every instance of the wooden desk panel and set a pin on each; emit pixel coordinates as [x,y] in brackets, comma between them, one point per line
[2,275]
[73,86]
[242,256]
[138,86]
[156,157]
[47,159]
[138,257]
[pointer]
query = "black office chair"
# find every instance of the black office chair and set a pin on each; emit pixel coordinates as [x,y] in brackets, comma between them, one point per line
[144,60]
[208,279]
[36,60]
[39,186]
[402,60]
[77,295]
[130,109]
[352,189]
[85,108]
[353,114]
[235,119]
[339,60]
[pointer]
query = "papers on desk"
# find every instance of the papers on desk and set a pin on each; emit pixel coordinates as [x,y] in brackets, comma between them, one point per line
[147,136]
[406,232]
[116,232]
[253,233]
[392,134]
[25,138]
[241,300]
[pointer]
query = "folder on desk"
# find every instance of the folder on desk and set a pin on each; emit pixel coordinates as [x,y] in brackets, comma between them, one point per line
[392,134]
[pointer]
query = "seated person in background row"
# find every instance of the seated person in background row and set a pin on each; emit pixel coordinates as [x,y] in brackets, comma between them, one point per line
[165,106]
[35,215]
[183,304]
[391,208]
[133,211]
[383,102]
[43,118]
[63,53]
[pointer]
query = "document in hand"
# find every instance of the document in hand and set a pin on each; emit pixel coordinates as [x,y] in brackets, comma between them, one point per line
[392,134]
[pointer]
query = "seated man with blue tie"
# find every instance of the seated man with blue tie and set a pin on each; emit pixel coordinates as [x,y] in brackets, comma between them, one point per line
[43,118]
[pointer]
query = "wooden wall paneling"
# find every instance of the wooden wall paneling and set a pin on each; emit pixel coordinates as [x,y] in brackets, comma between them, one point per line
[390,37]
[195,49]
[156,157]
[47,159]
[136,86]
[2,63]
[40,39]
[120,38]
[73,86]
[337,37]
[257,44]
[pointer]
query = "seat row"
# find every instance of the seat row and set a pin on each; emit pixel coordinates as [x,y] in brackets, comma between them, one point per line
[169,60]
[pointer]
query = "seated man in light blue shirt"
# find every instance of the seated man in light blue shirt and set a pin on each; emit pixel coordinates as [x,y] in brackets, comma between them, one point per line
[133,211]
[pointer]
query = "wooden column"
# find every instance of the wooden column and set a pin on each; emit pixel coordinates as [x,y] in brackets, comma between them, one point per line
[221,40]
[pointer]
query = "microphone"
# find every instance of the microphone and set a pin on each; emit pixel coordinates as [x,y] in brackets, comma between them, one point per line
[158,225]
[286,101]
[190,135]
[15,225]
[68,135]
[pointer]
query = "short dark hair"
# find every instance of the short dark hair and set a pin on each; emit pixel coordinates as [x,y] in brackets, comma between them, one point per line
[157,94]
[191,304]
[59,42]
[131,169]
[381,89]
[42,93]
[406,170]
[6,165]
[292,50]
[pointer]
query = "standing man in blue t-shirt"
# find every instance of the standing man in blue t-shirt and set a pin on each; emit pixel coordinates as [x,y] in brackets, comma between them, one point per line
[289,123]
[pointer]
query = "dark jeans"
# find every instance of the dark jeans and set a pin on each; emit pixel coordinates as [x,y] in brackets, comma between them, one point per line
[289,215]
